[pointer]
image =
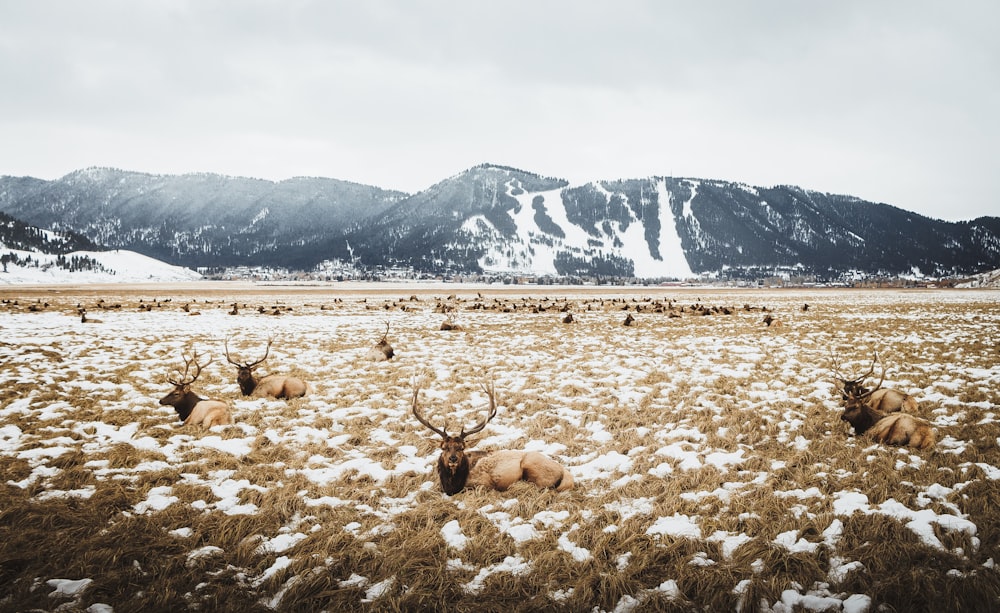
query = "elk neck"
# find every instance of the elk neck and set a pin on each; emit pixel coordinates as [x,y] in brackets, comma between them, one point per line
[862,417]
[246,381]
[183,403]
[453,476]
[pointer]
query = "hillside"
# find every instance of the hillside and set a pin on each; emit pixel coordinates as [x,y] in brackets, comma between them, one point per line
[502,220]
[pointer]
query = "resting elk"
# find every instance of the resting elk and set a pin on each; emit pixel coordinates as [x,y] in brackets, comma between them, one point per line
[897,428]
[275,386]
[458,468]
[191,407]
[900,429]
[881,399]
[382,351]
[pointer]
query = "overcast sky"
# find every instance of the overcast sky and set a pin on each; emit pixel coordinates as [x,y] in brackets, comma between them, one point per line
[894,102]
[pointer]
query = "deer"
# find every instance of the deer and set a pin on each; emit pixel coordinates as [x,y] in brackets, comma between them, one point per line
[275,386]
[772,322]
[885,400]
[192,408]
[460,469]
[382,350]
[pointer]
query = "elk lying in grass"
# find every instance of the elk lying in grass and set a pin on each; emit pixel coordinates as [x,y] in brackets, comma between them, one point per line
[900,429]
[382,351]
[459,469]
[772,322]
[192,408]
[87,320]
[881,399]
[868,415]
[275,386]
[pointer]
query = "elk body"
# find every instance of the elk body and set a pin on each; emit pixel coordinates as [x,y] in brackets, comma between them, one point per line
[459,468]
[192,408]
[883,399]
[275,386]
[382,351]
[900,429]
[87,320]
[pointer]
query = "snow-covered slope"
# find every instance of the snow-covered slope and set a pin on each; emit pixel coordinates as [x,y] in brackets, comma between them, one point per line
[534,249]
[118,266]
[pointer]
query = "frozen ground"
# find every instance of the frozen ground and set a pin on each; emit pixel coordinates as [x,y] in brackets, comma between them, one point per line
[713,431]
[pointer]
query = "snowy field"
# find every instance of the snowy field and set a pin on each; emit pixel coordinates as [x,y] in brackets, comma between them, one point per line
[712,470]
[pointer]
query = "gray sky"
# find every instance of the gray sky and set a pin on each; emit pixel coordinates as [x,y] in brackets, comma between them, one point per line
[892,101]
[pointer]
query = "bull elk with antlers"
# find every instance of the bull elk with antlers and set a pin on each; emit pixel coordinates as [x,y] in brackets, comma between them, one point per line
[191,407]
[885,400]
[382,350]
[866,412]
[275,386]
[459,468]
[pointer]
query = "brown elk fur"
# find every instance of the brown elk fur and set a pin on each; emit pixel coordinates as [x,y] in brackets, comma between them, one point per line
[459,469]
[900,429]
[382,351]
[883,399]
[275,386]
[191,407]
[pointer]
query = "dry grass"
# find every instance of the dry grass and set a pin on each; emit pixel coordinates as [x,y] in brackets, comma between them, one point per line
[712,467]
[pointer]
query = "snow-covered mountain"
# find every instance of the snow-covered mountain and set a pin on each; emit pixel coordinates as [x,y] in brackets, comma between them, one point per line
[499,219]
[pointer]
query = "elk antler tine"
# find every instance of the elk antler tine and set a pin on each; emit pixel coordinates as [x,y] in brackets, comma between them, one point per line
[416,413]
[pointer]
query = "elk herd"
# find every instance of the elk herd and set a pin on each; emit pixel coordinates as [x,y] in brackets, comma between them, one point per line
[884,415]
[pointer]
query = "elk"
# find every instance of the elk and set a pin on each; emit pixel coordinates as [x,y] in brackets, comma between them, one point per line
[191,407]
[629,320]
[382,350]
[900,429]
[275,386]
[87,320]
[459,469]
[772,322]
[885,400]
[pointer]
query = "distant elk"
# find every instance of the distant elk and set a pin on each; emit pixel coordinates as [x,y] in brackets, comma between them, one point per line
[450,324]
[191,407]
[459,468]
[629,320]
[87,320]
[772,322]
[382,351]
[879,398]
[275,386]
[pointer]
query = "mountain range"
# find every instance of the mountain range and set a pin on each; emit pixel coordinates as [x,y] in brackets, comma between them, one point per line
[498,219]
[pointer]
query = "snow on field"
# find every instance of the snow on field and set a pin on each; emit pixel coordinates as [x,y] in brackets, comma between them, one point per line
[701,404]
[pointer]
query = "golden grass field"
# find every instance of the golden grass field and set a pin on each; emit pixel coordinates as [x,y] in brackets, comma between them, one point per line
[712,470]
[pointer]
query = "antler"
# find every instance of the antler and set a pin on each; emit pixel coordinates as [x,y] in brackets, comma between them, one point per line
[844,379]
[490,414]
[870,371]
[248,364]
[420,418]
[187,366]
[386,333]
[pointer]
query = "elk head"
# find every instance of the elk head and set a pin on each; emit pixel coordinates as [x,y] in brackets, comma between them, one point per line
[852,390]
[453,464]
[244,375]
[182,386]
